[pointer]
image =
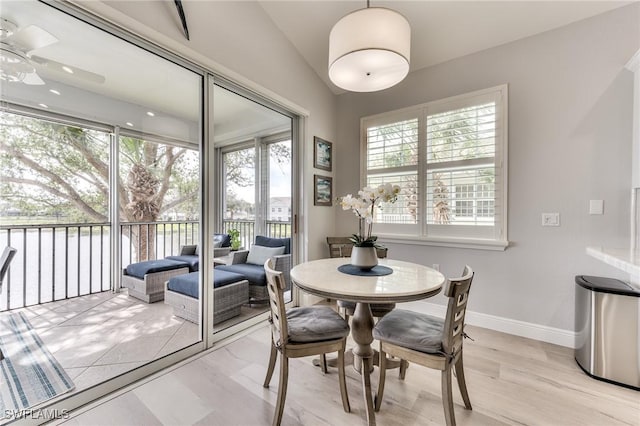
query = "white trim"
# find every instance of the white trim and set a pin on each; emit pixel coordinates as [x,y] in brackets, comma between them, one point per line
[529,330]
[467,243]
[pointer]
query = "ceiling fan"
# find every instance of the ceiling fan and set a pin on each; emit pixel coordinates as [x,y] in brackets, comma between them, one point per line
[17,64]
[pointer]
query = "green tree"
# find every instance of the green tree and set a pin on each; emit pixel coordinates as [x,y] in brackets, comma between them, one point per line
[49,167]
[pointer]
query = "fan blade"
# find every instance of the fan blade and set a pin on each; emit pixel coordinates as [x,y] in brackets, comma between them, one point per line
[33,79]
[67,70]
[31,38]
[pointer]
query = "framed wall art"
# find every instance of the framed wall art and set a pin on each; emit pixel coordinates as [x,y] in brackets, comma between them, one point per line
[322,190]
[322,154]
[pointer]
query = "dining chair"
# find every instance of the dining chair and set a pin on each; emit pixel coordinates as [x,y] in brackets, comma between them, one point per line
[300,332]
[429,341]
[5,261]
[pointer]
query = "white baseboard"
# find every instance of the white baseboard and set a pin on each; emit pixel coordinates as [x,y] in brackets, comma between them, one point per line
[529,330]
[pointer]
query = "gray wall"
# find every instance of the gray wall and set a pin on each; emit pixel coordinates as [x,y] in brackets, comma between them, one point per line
[570,133]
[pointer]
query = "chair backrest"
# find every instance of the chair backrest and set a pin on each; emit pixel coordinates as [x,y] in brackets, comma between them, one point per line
[342,247]
[5,260]
[457,290]
[339,246]
[275,286]
[274,242]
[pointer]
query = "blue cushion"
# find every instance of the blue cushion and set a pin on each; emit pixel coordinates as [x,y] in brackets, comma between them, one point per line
[185,284]
[188,284]
[411,330]
[315,324]
[254,273]
[223,278]
[191,260]
[223,239]
[140,269]
[274,242]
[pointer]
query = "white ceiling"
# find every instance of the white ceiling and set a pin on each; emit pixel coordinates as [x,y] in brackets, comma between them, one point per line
[440,30]
[137,81]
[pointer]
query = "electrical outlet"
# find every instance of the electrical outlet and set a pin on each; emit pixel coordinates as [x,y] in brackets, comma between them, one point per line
[550,219]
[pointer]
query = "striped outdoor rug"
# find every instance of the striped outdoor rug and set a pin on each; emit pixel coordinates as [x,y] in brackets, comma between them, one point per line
[29,374]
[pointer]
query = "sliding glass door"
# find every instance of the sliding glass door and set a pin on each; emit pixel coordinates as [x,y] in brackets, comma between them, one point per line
[252,141]
[99,170]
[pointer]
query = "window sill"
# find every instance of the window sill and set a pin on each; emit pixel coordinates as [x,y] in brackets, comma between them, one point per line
[465,243]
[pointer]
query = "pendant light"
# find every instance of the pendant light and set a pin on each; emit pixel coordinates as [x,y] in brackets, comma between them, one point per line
[369,50]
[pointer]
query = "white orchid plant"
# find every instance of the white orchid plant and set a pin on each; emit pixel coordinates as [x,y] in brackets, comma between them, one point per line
[363,205]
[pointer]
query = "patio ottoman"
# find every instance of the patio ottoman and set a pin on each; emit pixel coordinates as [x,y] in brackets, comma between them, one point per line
[145,280]
[230,292]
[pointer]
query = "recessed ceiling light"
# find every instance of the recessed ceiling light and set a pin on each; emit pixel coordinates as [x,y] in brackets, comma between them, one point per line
[54,91]
[129,124]
[150,114]
[43,105]
[67,69]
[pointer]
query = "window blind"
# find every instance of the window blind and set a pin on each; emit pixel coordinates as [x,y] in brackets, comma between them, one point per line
[448,157]
[392,157]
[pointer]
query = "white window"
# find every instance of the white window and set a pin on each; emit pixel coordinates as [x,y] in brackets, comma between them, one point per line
[449,158]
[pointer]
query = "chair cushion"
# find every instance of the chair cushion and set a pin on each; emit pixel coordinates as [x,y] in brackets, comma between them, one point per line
[253,273]
[260,254]
[188,284]
[140,269]
[191,260]
[315,324]
[411,330]
[274,242]
[185,284]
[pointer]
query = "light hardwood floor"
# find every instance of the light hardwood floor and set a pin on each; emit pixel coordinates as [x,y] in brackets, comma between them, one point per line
[511,381]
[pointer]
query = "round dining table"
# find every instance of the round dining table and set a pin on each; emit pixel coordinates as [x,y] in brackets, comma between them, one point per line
[406,282]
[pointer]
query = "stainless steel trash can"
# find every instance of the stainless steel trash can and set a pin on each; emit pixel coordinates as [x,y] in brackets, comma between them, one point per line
[608,330]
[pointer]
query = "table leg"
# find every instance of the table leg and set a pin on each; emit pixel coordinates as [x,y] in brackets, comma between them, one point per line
[361,330]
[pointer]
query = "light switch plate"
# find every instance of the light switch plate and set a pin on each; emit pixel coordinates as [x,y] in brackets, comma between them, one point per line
[596,206]
[550,219]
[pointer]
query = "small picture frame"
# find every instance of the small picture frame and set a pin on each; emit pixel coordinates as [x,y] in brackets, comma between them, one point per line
[322,154]
[322,190]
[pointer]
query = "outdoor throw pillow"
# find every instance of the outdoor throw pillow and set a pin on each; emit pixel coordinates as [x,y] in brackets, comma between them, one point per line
[259,254]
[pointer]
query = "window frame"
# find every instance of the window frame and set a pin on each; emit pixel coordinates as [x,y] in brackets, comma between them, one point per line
[490,238]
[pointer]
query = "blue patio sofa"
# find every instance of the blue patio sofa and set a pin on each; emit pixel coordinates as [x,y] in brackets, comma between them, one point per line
[241,263]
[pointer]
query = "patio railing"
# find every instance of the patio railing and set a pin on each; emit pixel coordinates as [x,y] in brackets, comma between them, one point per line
[156,240]
[56,262]
[275,229]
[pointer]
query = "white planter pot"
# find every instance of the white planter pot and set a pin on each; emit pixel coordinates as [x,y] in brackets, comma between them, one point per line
[364,258]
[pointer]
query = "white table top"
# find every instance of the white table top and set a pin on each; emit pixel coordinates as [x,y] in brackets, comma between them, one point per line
[409,281]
